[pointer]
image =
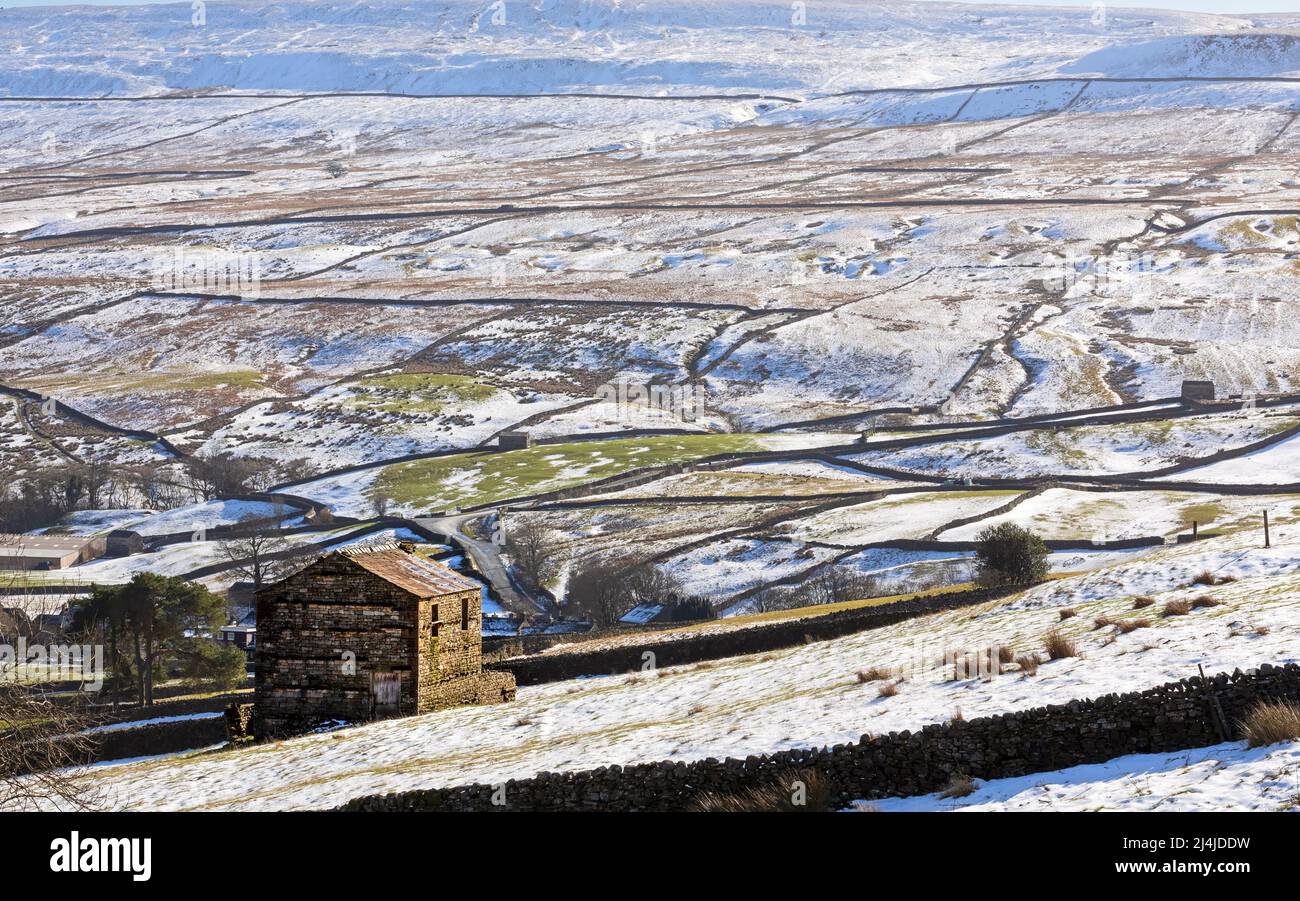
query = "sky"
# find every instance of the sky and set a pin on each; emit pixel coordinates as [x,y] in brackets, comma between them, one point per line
[1205,6]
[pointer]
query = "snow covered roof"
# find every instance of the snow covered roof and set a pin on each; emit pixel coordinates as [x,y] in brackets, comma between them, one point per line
[33,545]
[642,614]
[408,570]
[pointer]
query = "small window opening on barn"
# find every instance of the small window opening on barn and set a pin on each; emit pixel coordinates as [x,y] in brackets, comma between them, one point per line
[434,622]
[464,613]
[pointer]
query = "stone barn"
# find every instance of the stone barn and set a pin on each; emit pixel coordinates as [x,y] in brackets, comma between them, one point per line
[369,632]
[1197,389]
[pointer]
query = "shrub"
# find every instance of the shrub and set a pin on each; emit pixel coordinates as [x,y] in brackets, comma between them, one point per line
[1271,722]
[1066,612]
[1010,555]
[1142,602]
[1028,664]
[888,690]
[777,797]
[958,787]
[1177,608]
[1059,647]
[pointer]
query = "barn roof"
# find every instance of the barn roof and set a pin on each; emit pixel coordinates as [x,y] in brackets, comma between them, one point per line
[42,545]
[407,570]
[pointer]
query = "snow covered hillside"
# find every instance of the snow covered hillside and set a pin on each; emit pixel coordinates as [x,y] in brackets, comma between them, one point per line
[1218,778]
[801,697]
[646,46]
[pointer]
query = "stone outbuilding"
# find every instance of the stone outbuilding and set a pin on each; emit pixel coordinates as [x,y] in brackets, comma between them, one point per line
[124,543]
[514,441]
[369,632]
[1197,389]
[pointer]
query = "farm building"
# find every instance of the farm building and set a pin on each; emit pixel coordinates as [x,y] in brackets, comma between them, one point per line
[124,543]
[1197,389]
[369,632]
[514,440]
[49,551]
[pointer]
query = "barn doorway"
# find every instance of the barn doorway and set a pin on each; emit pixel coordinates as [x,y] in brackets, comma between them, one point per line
[385,693]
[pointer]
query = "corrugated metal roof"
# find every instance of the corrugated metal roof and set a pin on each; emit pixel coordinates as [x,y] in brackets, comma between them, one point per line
[408,571]
[38,545]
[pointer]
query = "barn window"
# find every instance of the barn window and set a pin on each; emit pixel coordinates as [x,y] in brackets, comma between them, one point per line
[434,622]
[464,613]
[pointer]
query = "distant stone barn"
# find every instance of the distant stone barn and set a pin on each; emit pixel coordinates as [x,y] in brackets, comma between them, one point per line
[365,633]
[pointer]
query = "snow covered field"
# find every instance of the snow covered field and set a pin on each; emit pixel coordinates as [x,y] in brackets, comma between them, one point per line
[1219,778]
[360,242]
[807,696]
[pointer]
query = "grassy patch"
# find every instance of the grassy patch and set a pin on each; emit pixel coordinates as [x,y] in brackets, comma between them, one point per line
[472,479]
[418,392]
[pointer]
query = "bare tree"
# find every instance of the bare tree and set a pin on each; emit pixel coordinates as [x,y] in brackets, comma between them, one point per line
[95,476]
[299,469]
[596,591]
[833,584]
[260,555]
[42,745]
[532,551]
[604,592]
[225,475]
[42,741]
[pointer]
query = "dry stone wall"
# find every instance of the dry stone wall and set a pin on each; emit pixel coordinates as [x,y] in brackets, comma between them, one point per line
[553,667]
[1186,714]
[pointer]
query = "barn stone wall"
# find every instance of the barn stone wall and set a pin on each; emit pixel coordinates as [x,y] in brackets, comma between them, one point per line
[451,652]
[323,634]
[308,629]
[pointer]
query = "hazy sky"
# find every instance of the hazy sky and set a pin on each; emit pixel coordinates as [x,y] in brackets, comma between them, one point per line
[1209,6]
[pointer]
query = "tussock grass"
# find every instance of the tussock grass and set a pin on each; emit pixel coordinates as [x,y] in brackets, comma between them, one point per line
[1140,603]
[781,796]
[1130,625]
[1208,578]
[958,787]
[1271,723]
[1065,613]
[1176,608]
[1205,601]
[888,690]
[1028,664]
[1059,647]
[874,674]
